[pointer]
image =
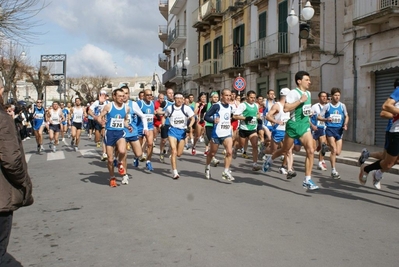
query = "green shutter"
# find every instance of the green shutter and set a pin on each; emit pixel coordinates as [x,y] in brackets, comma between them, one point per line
[262,25]
[283,27]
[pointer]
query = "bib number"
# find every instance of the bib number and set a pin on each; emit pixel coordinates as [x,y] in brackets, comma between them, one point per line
[225,126]
[178,121]
[307,110]
[150,118]
[117,123]
[336,118]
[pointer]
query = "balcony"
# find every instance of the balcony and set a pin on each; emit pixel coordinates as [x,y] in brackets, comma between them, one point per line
[163,61]
[166,50]
[232,61]
[367,12]
[211,12]
[207,70]
[177,36]
[275,45]
[163,32]
[174,75]
[163,8]
[169,75]
[176,6]
[198,22]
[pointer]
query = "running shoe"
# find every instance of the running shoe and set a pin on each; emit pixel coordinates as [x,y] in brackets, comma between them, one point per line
[234,154]
[38,148]
[135,162]
[186,147]
[207,173]
[261,154]
[149,167]
[41,148]
[63,140]
[266,165]
[193,151]
[335,175]
[76,149]
[206,153]
[376,181]
[290,174]
[176,176]
[256,167]
[115,161]
[282,157]
[54,149]
[363,175]
[50,145]
[324,165]
[121,169]
[227,176]
[245,156]
[112,182]
[282,170]
[310,185]
[364,155]
[321,167]
[161,158]
[215,162]
[104,157]
[143,157]
[125,179]
[98,144]
[72,142]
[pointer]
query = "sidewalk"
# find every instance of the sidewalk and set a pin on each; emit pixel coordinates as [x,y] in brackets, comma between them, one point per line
[350,154]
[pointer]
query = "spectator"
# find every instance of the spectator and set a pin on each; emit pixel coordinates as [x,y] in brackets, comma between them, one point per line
[15,183]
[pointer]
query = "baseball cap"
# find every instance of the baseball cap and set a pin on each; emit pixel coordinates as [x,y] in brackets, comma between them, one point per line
[103,92]
[285,91]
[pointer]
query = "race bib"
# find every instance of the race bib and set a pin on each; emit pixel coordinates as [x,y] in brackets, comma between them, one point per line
[336,118]
[150,118]
[253,121]
[39,116]
[285,121]
[117,123]
[307,110]
[78,117]
[225,125]
[179,121]
[55,119]
[321,123]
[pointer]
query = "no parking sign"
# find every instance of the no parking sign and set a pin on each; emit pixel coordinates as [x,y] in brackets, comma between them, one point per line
[239,84]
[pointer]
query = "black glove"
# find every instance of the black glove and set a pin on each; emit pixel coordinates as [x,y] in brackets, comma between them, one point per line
[201,121]
[248,119]
[163,104]
[188,129]
[158,117]
[259,121]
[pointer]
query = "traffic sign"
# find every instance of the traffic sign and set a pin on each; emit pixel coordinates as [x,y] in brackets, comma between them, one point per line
[239,84]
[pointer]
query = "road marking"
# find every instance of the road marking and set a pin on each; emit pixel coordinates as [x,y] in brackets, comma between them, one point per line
[89,152]
[27,157]
[55,156]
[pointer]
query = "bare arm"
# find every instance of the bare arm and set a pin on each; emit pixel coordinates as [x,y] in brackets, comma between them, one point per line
[386,115]
[389,105]
[271,113]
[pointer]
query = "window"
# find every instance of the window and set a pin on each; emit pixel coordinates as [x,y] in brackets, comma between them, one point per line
[283,27]
[262,25]
[207,51]
[239,35]
[217,47]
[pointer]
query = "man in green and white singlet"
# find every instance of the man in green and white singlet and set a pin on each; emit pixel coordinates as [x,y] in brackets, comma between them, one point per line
[247,113]
[298,103]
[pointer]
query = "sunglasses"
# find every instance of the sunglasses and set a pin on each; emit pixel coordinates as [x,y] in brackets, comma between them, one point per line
[148,94]
[38,102]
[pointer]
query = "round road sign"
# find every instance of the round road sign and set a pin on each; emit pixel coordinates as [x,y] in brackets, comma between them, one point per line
[239,83]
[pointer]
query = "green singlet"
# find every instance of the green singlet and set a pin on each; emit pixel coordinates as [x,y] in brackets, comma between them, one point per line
[299,124]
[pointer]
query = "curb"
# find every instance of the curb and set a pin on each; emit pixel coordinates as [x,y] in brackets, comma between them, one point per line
[349,161]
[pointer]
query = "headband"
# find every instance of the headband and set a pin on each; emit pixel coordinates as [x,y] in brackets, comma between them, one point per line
[214,93]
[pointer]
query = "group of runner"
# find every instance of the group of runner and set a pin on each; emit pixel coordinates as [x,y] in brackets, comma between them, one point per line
[277,128]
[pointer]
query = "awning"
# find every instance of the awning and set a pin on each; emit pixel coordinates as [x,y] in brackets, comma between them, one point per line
[382,64]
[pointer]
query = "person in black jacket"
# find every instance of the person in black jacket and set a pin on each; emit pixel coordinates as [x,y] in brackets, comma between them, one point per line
[15,183]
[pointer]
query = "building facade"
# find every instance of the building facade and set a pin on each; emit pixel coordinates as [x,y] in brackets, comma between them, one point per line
[179,45]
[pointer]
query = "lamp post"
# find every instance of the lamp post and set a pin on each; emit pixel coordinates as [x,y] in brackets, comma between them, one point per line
[153,83]
[182,65]
[292,20]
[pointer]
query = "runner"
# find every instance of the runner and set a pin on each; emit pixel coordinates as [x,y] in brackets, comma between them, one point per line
[178,115]
[64,124]
[209,127]
[115,117]
[77,114]
[95,111]
[298,103]
[39,124]
[391,105]
[165,125]
[267,126]
[55,118]
[199,111]
[91,123]
[336,117]
[158,117]
[318,130]
[247,113]
[219,114]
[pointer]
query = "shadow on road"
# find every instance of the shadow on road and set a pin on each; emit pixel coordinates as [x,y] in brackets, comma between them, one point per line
[10,261]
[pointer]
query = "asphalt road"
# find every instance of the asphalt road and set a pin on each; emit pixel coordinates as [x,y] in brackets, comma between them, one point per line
[258,220]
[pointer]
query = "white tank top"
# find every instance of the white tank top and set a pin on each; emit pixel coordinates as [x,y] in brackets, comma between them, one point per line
[55,117]
[77,115]
[281,116]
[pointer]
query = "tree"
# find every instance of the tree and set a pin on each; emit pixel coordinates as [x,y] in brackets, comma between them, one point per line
[39,77]
[16,19]
[87,88]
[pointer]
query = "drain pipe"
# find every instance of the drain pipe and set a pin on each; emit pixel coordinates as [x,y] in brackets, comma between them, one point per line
[354,119]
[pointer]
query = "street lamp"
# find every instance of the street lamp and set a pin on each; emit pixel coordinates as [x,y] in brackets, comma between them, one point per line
[153,83]
[292,20]
[182,65]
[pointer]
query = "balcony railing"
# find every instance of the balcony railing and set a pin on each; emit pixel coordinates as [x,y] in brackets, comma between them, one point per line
[208,67]
[170,74]
[163,61]
[211,8]
[163,32]
[232,58]
[365,8]
[177,36]
[176,6]
[163,8]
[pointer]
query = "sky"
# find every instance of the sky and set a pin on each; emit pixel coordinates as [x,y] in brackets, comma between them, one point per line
[100,37]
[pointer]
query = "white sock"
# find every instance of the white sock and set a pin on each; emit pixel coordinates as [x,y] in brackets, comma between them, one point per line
[307,178]
[226,170]
[333,170]
[208,166]
[175,172]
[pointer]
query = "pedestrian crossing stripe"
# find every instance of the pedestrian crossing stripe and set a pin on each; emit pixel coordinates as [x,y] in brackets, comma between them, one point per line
[60,155]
